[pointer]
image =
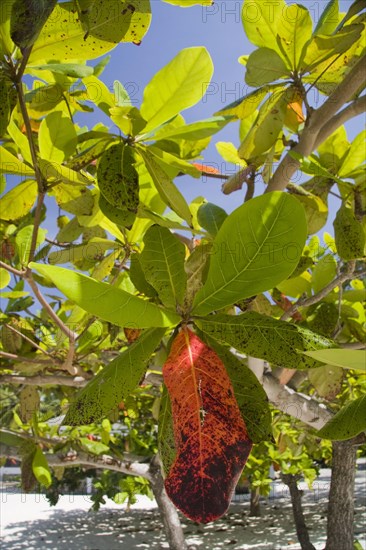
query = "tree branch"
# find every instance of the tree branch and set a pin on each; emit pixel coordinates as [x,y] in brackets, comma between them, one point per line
[12,269]
[76,382]
[355,108]
[42,300]
[24,359]
[71,460]
[296,404]
[30,341]
[318,119]
[305,302]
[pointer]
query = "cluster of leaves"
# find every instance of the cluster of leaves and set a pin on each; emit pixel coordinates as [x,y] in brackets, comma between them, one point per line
[139,281]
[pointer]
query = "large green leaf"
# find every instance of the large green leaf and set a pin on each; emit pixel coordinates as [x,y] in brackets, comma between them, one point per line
[329,18]
[105,23]
[57,137]
[258,335]
[162,261]
[257,246]
[115,382]
[18,201]
[105,301]
[165,187]
[264,66]
[246,105]
[355,156]
[347,423]
[345,358]
[211,217]
[177,86]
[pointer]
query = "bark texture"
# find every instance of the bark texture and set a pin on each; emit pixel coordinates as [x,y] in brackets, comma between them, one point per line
[301,530]
[168,512]
[340,533]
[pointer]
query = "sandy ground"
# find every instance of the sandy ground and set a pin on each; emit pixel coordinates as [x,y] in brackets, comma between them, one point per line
[28,522]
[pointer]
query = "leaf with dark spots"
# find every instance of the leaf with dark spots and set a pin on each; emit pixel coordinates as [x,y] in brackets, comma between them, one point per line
[118,179]
[27,20]
[349,234]
[258,335]
[118,216]
[210,435]
[115,382]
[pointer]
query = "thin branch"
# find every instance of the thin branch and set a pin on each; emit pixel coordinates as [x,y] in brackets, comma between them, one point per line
[305,302]
[34,344]
[12,269]
[318,119]
[354,345]
[355,108]
[42,300]
[76,382]
[23,359]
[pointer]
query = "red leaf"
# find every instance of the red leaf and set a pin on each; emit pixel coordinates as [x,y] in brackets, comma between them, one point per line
[211,439]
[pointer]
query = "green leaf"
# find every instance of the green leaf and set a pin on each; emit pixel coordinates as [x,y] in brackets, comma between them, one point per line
[195,131]
[329,18]
[92,250]
[229,153]
[5,278]
[6,44]
[263,22]
[265,66]
[278,342]
[118,178]
[257,246]
[23,241]
[349,234]
[70,35]
[9,438]
[105,301]
[266,128]
[115,382]
[172,164]
[166,443]
[57,137]
[8,100]
[245,106]
[27,20]
[138,278]
[211,217]
[177,86]
[347,423]
[165,187]
[94,447]
[18,201]
[294,33]
[355,156]
[162,261]
[54,172]
[99,94]
[128,119]
[345,358]
[323,48]
[75,70]
[120,216]
[324,272]
[316,211]
[12,165]
[41,469]
[189,3]
[327,381]
[249,394]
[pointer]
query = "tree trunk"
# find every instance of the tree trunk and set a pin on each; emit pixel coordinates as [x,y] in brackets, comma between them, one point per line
[302,531]
[169,514]
[341,496]
[255,509]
